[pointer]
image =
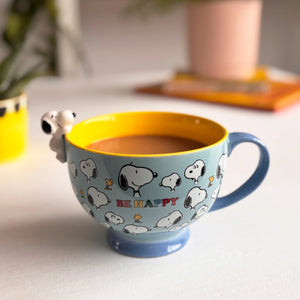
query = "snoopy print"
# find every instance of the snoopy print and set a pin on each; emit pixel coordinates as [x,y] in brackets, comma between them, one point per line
[97,198]
[89,169]
[200,212]
[221,165]
[171,181]
[135,177]
[135,229]
[73,169]
[195,196]
[173,218]
[196,170]
[113,218]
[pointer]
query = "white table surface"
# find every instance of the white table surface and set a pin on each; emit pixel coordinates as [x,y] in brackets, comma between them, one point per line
[51,249]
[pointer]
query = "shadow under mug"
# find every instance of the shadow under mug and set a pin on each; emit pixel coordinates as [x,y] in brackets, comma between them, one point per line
[147,201]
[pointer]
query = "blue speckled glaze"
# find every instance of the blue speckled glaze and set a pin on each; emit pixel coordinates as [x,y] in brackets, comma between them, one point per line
[159,244]
[147,202]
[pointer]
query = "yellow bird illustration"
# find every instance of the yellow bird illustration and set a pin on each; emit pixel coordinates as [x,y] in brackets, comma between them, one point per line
[109,183]
[82,193]
[211,179]
[137,218]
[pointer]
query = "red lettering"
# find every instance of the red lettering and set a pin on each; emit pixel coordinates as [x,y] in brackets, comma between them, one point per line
[127,203]
[120,203]
[174,200]
[165,201]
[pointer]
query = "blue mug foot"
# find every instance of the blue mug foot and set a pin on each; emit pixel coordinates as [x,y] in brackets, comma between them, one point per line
[151,245]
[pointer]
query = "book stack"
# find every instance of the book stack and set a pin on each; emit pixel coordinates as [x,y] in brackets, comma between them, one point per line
[269,89]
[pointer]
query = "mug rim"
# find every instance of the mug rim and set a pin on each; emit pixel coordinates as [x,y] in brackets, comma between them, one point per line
[111,115]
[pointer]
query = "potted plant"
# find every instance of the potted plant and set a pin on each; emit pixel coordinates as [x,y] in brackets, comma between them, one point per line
[21,64]
[223,35]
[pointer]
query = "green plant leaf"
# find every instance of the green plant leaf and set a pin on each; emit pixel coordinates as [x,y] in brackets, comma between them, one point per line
[51,7]
[16,29]
[7,63]
[17,85]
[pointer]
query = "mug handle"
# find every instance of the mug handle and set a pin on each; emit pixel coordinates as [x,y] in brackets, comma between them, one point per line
[255,179]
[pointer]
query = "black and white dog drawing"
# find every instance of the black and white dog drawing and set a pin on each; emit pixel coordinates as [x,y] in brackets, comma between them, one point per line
[134,177]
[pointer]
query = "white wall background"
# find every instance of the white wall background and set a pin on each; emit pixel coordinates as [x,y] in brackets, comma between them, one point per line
[280,34]
[116,43]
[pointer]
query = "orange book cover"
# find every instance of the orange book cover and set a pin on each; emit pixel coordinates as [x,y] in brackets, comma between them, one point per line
[269,89]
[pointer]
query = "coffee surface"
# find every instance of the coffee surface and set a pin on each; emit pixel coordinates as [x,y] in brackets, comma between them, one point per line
[145,144]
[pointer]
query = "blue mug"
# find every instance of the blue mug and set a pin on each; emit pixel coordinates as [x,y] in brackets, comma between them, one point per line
[147,201]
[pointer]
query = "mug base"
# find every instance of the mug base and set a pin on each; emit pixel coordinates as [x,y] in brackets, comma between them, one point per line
[153,245]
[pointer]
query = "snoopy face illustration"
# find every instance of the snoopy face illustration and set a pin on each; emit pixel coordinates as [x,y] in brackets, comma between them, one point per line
[195,196]
[135,177]
[196,170]
[97,198]
[49,122]
[221,165]
[170,220]
[171,181]
[112,218]
[200,212]
[88,168]
[134,229]
[73,169]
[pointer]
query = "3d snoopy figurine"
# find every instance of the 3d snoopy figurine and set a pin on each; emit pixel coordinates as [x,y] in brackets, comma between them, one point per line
[58,124]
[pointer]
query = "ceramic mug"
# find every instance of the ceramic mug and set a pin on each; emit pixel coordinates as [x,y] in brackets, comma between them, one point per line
[148,201]
[13,127]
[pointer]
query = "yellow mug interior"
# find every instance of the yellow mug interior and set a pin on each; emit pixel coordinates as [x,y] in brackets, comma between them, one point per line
[146,123]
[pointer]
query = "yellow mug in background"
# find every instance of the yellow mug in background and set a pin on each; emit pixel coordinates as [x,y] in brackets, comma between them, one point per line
[13,127]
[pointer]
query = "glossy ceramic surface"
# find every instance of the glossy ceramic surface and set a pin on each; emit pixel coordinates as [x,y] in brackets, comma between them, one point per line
[147,201]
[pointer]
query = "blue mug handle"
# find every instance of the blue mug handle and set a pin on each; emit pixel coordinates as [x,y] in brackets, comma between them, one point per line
[256,178]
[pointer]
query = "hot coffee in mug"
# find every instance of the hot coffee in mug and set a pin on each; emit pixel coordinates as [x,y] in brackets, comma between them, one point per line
[145,144]
[147,175]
